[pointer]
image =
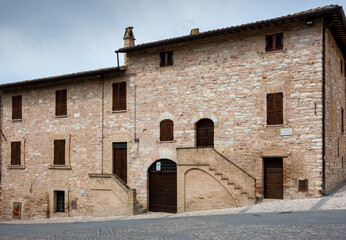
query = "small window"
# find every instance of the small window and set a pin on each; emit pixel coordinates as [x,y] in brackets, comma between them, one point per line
[274,108]
[274,42]
[341,66]
[342,120]
[59,200]
[59,152]
[61,103]
[17,107]
[303,185]
[166,130]
[166,59]
[15,153]
[119,96]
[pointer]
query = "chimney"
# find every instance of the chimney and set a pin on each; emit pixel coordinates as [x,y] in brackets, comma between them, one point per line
[194,31]
[129,38]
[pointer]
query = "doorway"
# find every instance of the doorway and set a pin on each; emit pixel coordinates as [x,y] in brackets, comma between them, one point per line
[163,186]
[273,178]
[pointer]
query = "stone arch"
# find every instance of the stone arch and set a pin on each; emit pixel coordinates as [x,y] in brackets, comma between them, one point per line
[203,191]
[166,115]
[202,115]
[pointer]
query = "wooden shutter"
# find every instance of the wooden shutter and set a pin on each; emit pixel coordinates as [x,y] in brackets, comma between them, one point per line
[166,130]
[61,102]
[170,59]
[279,41]
[274,108]
[119,96]
[269,42]
[342,120]
[59,152]
[15,153]
[162,59]
[17,107]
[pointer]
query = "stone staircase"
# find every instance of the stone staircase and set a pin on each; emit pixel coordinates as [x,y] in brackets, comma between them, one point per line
[112,196]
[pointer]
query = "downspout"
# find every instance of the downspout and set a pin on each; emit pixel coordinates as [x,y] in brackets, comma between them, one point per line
[324,106]
[102,119]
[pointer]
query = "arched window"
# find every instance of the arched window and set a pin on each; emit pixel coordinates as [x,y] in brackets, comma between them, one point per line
[205,133]
[166,130]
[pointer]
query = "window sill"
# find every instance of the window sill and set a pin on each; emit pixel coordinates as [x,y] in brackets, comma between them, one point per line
[119,111]
[275,51]
[60,167]
[19,167]
[167,141]
[61,116]
[17,120]
[276,125]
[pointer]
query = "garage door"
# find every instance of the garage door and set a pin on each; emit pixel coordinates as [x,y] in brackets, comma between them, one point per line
[273,178]
[163,186]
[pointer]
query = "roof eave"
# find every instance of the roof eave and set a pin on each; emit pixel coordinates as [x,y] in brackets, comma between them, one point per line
[321,12]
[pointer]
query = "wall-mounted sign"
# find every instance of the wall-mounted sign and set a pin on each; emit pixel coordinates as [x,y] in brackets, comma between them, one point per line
[158,166]
[286,131]
[17,209]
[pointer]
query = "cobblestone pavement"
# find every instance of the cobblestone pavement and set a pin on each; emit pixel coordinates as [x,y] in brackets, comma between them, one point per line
[299,225]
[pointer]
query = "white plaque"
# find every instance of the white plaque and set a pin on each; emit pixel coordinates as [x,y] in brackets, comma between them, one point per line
[286,131]
[158,166]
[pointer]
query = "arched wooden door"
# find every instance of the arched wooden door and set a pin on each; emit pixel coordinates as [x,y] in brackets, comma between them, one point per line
[205,133]
[163,186]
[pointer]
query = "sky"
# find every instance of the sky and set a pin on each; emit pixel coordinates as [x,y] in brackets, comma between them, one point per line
[42,38]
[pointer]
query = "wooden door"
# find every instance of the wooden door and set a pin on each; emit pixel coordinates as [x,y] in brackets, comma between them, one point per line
[273,178]
[120,161]
[205,133]
[163,188]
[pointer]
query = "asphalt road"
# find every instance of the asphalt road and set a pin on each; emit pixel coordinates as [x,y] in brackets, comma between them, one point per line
[298,225]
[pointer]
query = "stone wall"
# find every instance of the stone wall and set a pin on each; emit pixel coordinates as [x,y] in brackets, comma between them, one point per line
[34,182]
[335,101]
[226,79]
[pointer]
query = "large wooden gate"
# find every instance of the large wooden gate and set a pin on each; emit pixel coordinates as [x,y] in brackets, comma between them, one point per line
[163,186]
[273,178]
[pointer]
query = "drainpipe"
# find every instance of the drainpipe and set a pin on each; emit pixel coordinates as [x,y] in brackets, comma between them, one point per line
[102,118]
[324,106]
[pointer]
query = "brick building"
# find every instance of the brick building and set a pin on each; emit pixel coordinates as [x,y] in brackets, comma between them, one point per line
[208,120]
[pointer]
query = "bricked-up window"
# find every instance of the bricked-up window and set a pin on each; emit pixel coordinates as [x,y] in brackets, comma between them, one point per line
[166,59]
[59,201]
[166,130]
[119,96]
[274,42]
[59,152]
[274,108]
[17,107]
[15,153]
[61,102]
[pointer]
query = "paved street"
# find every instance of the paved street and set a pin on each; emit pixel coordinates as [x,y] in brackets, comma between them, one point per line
[327,224]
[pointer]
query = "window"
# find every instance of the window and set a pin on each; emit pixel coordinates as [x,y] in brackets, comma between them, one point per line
[274,42]
[59,200]
[274,108]
[166,130]
[17,107]
[119,96]
[342,120]
[341,66]
[15,153]
[166,59]
[59,152]
[61,103]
